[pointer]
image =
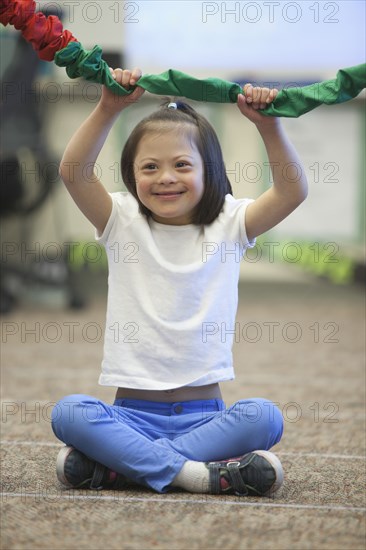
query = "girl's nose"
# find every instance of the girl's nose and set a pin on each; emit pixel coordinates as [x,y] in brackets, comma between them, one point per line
[167,176]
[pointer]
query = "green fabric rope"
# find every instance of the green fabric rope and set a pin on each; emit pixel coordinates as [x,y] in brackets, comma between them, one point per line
[291,102]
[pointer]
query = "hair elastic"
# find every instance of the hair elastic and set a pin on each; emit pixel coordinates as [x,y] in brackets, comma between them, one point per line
[172,106]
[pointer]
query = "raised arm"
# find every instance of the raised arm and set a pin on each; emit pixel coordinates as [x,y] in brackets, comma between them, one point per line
[78,162]
[289,187]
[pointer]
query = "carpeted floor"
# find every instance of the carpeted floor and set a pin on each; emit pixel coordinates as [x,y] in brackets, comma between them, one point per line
[301,345]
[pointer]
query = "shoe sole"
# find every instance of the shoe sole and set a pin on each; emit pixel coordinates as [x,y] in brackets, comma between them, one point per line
[277,466]
[60,463]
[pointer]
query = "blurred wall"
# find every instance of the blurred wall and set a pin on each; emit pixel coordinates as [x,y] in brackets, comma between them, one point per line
[330,140]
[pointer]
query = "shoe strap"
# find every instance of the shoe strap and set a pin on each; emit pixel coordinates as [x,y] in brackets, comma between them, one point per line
[235,479]
[96,480]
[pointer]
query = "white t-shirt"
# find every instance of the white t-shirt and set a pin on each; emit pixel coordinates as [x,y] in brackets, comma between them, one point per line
[173,296]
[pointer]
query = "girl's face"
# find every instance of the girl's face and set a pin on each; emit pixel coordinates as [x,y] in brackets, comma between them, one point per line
[169,175]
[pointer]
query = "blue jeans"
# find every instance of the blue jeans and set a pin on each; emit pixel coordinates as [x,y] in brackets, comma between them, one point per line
[149,442]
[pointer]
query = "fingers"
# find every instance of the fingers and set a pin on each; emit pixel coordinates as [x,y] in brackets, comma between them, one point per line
[126,77]
[259,97]
[123,77]
[135,76]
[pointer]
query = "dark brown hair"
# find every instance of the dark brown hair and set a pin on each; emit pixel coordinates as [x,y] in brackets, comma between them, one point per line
[216,182]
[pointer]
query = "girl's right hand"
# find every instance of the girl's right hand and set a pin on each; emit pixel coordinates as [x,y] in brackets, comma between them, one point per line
[116,103]
[254,100]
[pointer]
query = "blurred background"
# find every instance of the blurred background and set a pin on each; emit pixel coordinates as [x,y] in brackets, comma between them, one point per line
[49,256]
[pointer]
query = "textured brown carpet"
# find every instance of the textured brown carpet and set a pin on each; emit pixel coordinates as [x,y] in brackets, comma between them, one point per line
[301,345]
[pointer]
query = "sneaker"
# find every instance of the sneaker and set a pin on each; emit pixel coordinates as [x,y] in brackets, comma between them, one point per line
[258,473]
[76,470]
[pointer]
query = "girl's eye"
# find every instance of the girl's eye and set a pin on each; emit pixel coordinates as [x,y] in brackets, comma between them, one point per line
[149,167]
[182,164]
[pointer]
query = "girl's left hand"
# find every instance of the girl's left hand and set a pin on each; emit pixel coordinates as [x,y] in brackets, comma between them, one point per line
[255,99]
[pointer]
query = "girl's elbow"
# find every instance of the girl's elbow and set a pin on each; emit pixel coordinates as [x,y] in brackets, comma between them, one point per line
[298,198]
[66,172]
[61,171]
[304,191]
[303,195]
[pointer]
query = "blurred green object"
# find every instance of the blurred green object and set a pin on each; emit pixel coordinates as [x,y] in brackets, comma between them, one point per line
[292,102]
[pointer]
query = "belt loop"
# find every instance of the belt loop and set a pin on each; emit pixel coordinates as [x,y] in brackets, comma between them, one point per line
[119,402]
[220,404]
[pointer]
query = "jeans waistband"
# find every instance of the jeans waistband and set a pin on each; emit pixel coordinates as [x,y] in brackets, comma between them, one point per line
[172,409]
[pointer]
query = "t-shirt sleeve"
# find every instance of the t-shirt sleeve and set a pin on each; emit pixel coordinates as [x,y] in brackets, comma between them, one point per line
[124,210]
[234,217]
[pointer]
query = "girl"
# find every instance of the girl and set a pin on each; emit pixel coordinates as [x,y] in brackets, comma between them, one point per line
[172,303]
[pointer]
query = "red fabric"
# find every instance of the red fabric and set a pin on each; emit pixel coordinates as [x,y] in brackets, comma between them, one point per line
[46,34]
[16,12]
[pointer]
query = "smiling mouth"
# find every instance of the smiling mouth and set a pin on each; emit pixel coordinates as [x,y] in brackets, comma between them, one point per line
[169,193]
